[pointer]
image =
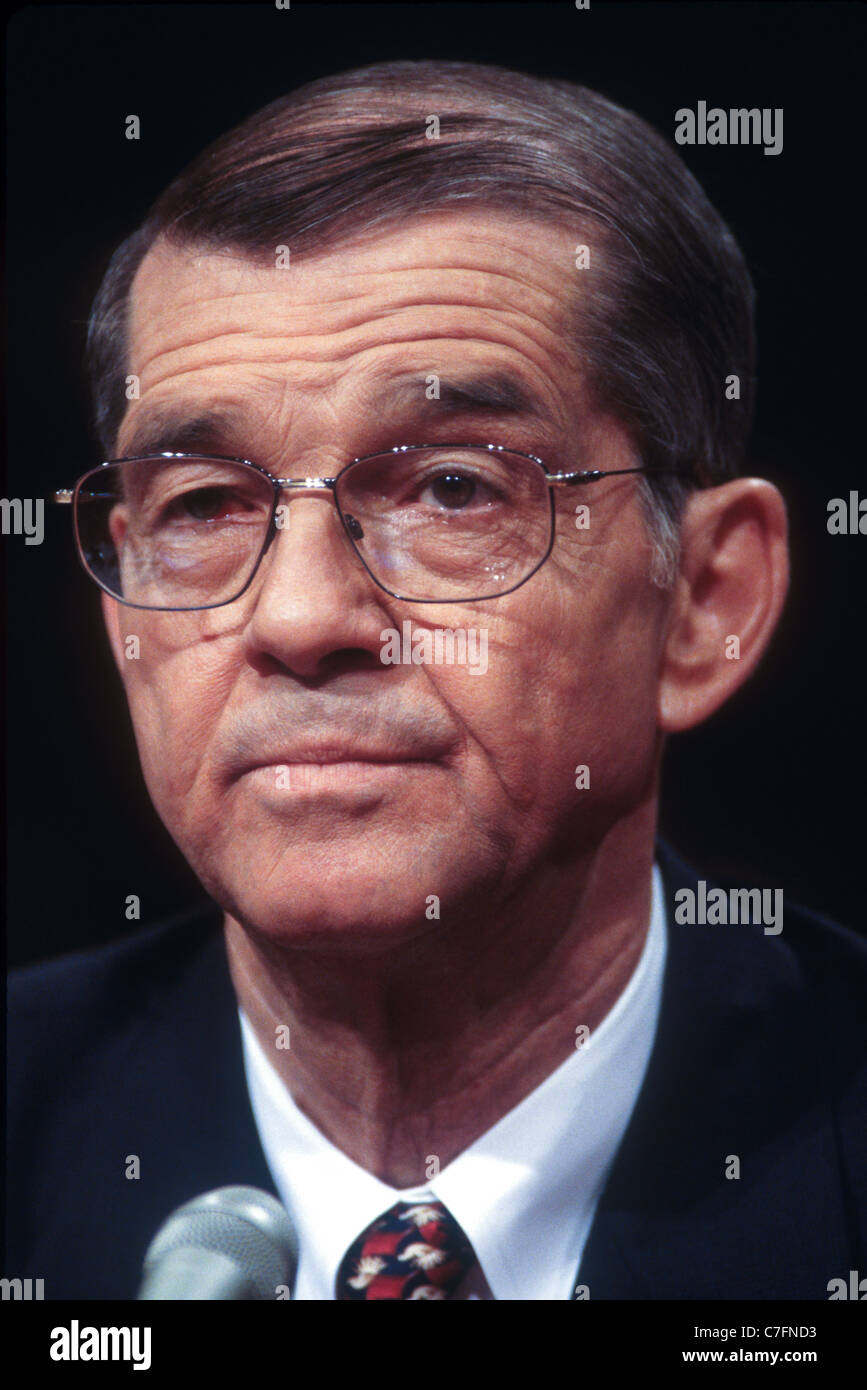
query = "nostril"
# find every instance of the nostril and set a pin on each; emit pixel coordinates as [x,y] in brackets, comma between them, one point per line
[354,528]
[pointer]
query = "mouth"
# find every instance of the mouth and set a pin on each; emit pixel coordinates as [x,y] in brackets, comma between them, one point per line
[336,755]
[324,747]
[337,770]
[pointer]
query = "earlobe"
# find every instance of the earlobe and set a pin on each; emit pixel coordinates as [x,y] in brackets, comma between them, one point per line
[727,600]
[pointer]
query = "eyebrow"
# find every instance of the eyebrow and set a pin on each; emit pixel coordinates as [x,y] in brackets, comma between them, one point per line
[179,429]
[491,393]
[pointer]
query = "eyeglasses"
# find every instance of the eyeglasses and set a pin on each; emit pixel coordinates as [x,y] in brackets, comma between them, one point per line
[431,523]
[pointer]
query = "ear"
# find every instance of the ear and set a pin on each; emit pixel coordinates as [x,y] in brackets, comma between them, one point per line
[734,573]
[111,616]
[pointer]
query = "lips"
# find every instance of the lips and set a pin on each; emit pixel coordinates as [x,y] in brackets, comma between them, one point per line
[313,730]
[321,756]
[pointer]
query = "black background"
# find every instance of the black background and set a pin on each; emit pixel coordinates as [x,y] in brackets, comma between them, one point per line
[769,792]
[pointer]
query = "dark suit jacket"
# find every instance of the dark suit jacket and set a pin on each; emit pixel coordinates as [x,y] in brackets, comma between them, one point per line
[761,1053]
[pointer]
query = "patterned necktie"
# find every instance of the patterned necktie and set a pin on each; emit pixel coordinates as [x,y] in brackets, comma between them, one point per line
[415,1250]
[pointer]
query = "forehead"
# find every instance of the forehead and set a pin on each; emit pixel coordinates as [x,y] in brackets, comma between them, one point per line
[413,313]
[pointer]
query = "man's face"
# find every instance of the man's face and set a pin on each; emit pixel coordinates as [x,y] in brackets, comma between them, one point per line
[399,781]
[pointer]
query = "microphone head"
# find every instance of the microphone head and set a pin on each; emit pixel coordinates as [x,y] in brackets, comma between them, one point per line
[242,1224]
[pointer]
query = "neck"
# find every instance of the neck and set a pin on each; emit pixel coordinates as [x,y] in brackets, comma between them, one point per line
[419,1051]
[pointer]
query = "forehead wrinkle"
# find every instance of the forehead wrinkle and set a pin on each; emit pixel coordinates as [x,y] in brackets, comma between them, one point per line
[306,354]
[397,258]
[187,339]
[342,304]
[477,391]
[175,329]
[331,307]
[483,285]
[306,373]
[203,420]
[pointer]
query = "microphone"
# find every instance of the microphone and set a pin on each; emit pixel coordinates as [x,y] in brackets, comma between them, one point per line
[233,1243]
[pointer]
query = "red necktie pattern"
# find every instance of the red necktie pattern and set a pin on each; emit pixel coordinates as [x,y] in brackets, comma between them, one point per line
[414,1251]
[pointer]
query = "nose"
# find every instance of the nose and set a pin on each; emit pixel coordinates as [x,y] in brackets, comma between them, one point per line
[315,607]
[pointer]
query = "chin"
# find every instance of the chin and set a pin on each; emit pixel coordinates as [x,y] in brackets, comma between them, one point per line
[355,913]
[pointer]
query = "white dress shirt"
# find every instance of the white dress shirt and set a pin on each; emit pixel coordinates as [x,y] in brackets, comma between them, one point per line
[525,1192]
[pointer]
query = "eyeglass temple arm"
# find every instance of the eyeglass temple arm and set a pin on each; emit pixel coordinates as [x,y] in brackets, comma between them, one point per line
[590,475]
[64,495]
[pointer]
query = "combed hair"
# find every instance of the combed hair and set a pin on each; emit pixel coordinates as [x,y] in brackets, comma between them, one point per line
[662,317]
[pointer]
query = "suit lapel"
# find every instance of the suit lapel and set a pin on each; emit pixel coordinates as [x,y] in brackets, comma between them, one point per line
[729,1078]
[207,1101]
[187,1110]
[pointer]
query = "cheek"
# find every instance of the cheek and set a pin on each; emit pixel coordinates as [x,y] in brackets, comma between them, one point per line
[520,708]
[570,680]
[176,690]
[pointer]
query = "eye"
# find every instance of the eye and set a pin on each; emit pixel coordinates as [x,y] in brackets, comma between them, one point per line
[453,490]
[206,503]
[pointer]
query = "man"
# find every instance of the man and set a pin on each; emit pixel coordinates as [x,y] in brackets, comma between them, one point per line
[423,396]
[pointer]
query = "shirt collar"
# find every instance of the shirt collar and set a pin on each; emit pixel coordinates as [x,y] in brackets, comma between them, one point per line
[524,1192]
